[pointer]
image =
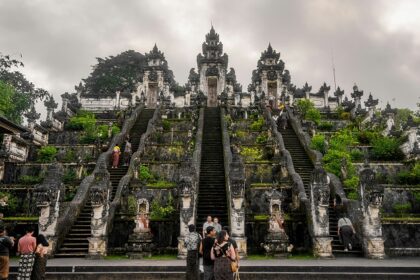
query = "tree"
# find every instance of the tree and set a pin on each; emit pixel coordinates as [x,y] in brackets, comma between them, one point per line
[16,92]
[115,73]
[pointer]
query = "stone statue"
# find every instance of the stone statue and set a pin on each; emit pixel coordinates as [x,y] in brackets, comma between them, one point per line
[343,169]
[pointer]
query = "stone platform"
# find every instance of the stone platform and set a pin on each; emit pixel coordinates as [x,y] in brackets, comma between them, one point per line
[343,268]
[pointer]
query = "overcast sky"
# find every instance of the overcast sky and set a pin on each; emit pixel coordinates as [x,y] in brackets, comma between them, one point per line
[374,43]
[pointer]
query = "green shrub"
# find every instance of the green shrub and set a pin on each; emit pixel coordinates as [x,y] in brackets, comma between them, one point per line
[303,106]
[131,205]
[402,208]
[70,156]
[318,143]
[325,126]
[332,162]
[145,174]
[314,115]
[30,180]
[385,148]
[228,120]
[356,155]
[12,204]
[367,137]
[353,195]
[240,134]
[176,150]
[345,116]
[158,211]
[411,177]
[47,154]
[88,139]
[69,176]
[166,125]
[161,184]
[351,182]
[82,121]
[252,153]
[262,138]
[257,125]
[342,139]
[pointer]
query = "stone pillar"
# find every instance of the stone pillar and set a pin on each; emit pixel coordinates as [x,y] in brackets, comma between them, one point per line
[118,94]
[237,198]
[276,241]
[319,197]
[140,242]
[48,196]
[372,196]
[99,197]
[186,216]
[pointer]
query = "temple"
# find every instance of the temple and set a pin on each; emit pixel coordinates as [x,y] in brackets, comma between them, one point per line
[278,164]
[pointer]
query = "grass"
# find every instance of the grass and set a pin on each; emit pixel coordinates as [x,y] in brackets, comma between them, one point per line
[259,257]
[304,256]
[401,219]
[20,219]
[116,257]
[261,185]
[161,185]
[164,257]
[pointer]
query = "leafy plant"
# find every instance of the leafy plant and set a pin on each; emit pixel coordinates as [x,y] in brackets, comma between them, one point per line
[176,150]
[69,176]
[402,208]
[30,180]
[385,148]
[411,177]
[252,153]
[257,125]
[352,182]
[356,155]
[332,162]
[325,126]
[132,205]
[367,136]
[69,156]
[159,211]
[318,143]
[145,174]
[262,138]
[47,154]
[83,120]
[303,106]
[314,115]
[161,184]
[353,195]
[166,125]
[11,203]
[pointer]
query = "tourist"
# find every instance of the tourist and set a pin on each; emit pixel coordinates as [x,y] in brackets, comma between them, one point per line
[127,152]
[233,242]
[205,250]
[283,119]
[116,152]
[192,242]
[209,222]
[223,254]
[26,249]
[216,225]
[346,232]
[6,244]
[40,264]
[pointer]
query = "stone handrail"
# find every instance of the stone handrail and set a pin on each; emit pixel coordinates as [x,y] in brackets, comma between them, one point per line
[135,159]
[197,159]
[70,214]
[227,158]
[315,156]
[297,180]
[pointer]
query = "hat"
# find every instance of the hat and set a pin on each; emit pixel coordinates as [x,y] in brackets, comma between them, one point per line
[209,229]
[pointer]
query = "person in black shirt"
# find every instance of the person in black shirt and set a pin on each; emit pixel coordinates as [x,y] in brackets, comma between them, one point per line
[205,249]
[6,245]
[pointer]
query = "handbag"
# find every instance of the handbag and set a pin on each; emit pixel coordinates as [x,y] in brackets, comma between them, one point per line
[234,266]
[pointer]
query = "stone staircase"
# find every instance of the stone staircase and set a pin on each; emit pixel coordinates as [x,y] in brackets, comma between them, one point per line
[75,244]
[212,188]
[303,166]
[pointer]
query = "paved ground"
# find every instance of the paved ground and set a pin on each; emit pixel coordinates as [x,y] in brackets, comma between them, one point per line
[349,262]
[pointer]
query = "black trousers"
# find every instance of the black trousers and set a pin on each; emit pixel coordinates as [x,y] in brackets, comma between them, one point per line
[192,265]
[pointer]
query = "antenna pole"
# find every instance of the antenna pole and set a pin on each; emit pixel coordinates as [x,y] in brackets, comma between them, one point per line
[333,68]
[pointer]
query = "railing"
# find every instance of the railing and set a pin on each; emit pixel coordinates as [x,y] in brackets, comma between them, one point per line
[70,214]
[197,160]
[315,156]
[227,160]
[135,159]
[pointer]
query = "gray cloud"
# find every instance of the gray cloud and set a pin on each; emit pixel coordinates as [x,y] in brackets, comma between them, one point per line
[59,40]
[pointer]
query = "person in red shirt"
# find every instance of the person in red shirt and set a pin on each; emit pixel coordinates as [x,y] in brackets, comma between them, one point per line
[26,249]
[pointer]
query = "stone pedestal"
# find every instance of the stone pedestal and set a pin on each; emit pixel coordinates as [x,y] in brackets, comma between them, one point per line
[322,247]
[242,248]
[182,250]
[140,245]
[97,247]
[374,248]
[276,244]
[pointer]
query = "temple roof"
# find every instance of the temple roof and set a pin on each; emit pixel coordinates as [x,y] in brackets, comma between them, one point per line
[371,102]
[155,53]
[356,93]
[339,92]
